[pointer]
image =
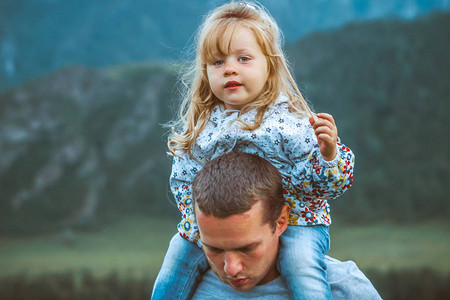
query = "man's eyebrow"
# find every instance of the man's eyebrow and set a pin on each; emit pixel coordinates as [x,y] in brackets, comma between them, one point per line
[249,246]
[209,245]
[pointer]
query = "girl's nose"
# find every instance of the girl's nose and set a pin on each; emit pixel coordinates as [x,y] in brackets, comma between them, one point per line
[229,69]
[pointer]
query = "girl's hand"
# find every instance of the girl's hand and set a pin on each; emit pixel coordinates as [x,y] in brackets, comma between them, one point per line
[326,133]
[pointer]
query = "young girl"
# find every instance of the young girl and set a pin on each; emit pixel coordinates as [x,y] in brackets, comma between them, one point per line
[241,96]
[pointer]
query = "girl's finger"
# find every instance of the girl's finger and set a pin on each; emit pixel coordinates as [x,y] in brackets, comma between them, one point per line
[325,138]
[323,122]
[324,130]
[326,117]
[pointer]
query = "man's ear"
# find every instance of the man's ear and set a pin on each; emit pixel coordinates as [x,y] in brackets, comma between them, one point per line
[283,219]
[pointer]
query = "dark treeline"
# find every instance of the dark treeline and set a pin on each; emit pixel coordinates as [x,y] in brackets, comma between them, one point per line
[81,146]
[386,83]
[393,285]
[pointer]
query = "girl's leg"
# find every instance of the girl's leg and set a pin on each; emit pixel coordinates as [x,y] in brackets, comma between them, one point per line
[301,261]
[181,271]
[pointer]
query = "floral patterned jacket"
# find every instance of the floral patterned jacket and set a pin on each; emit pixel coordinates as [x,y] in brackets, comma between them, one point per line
[284,139]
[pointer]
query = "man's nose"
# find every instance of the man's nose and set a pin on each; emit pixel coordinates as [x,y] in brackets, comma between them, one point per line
[229,69]
[233,264]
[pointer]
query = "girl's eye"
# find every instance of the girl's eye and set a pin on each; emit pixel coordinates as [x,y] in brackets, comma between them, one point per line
[218,62]
[244,59]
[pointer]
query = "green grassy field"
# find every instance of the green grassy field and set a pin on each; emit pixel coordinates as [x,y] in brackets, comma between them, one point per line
[384,247]
[136,245]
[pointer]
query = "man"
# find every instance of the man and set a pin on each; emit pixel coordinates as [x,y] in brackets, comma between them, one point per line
[241,214]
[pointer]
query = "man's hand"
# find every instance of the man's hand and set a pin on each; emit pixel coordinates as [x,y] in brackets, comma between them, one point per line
[326,133]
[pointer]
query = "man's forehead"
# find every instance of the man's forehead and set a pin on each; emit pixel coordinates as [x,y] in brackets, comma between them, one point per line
[235,231]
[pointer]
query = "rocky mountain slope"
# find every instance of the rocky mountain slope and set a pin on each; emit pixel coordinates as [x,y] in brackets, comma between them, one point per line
[81,145]
[79,141]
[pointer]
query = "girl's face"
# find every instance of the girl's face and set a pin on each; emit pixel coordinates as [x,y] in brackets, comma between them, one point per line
[238,76]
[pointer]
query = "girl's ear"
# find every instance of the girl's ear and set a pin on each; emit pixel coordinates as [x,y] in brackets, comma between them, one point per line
[283,219]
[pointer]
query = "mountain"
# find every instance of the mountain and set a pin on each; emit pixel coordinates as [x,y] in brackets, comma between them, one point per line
[82,145]
[38,36]
[386,83]
[81,142]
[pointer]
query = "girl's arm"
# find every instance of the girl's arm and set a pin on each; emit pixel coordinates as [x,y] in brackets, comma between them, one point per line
[325,171]
[323,179]
[184,169]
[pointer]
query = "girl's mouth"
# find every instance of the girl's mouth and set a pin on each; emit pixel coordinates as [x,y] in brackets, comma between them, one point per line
[232,85]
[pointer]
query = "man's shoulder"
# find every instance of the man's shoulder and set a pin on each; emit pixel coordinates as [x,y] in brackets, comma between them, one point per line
[347,281]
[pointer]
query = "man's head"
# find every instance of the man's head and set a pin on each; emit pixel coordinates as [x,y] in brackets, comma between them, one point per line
[240,211]
[231,183]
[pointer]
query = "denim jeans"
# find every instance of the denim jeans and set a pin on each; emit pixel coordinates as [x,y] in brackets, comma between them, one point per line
[181,271]
[301,261]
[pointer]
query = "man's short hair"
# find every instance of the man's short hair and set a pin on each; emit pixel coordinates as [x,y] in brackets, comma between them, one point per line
[231,183]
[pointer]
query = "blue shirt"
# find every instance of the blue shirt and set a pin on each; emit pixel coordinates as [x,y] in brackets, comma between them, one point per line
[347,282]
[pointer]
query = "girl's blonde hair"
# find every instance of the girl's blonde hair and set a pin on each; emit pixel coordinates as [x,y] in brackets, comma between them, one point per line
[198,99]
